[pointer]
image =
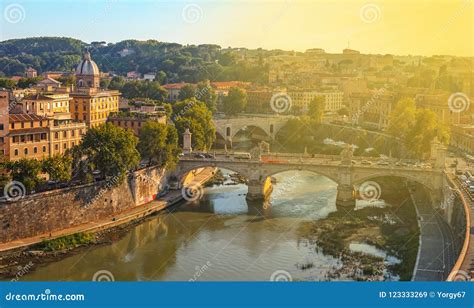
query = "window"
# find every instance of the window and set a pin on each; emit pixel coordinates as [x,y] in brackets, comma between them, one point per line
[56,147]
[56,135]
[44,148]
[73,133]
[13,125]
[16,152]
[26,151]
[65,146]
[1,126]
[35,150]
[64,134]
[22,124]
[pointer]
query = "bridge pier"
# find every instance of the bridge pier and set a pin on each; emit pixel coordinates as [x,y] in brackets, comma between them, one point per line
[345,197]
[258,190]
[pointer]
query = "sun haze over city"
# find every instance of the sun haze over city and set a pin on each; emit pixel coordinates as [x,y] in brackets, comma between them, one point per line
[398,27]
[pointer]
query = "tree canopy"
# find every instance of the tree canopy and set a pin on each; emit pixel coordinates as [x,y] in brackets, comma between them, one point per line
[111,149]
[158,143]
[235,101]
[194,115]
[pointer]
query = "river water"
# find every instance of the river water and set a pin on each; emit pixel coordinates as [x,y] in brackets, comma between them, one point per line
[220,237]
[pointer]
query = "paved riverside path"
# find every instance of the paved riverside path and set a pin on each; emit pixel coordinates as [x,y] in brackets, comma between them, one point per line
[436,254]
[169,199]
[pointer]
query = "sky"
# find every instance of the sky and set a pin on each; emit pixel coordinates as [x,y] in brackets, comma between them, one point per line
[400,27]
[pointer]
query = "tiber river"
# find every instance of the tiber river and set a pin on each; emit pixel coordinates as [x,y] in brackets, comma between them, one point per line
[220,237]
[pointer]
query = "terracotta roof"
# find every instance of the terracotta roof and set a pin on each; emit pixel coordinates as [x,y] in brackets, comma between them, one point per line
[24,117]
[49,80]
[23,131]
[38,97]
[229,84]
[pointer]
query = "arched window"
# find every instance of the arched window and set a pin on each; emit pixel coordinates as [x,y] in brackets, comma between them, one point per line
[227,131]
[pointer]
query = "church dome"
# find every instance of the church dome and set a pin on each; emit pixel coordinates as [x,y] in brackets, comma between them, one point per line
[87,66]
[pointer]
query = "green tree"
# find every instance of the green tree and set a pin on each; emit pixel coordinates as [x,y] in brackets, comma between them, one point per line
[161,77]
[158,143]
[58,167]
[316,109]
[111,149]
[194,115]
[67,80]
[235,101]
[117,82]
[28,82]
[7,83]
[25,171]
[423,131]
[186,92]
[205,93]
[402,118]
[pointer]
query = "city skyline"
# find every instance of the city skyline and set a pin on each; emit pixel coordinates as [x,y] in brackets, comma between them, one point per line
[379,27]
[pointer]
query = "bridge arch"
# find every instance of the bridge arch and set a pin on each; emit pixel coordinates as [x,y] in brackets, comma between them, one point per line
[275,171]
[427,183]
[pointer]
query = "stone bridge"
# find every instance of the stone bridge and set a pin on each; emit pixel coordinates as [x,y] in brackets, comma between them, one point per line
[227,128]
[349,173]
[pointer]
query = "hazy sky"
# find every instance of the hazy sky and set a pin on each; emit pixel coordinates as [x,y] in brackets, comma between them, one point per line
[401,27]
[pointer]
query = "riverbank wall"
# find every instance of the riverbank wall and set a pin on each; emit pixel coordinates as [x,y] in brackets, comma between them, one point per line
[50,211]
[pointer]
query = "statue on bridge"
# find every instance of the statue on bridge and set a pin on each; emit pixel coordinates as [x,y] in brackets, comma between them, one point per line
[347,154]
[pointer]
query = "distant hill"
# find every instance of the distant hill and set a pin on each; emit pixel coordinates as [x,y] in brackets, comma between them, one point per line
[175,62]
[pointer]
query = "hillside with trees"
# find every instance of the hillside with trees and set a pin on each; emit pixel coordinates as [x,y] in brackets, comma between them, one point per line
[170,62]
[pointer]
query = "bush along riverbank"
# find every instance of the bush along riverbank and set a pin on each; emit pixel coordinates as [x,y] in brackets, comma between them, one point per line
[220,178]
[372,243]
